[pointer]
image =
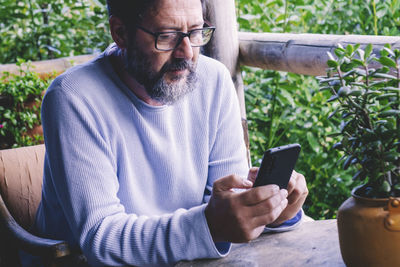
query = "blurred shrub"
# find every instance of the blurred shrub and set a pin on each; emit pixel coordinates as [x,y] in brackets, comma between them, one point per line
[20,99]
[44,29]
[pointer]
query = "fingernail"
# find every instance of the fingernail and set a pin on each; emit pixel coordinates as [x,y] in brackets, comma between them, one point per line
[284,192]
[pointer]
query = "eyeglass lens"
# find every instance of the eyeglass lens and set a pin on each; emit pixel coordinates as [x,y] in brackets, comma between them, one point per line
[170,40]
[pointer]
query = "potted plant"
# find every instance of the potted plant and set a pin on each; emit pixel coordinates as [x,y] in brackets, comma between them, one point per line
[366,106]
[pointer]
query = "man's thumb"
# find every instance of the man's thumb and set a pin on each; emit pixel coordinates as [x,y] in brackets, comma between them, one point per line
[229,182]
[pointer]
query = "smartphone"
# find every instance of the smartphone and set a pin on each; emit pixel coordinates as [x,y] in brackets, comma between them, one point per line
[277,165]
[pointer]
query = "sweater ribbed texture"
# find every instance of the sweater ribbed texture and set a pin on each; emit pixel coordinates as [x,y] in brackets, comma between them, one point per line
[127,182]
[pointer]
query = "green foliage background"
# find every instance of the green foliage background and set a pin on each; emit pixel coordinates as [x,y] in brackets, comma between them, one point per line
[282,108]
[287,108]
[44,29]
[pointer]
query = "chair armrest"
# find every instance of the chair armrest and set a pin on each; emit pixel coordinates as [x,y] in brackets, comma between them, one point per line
[26,241]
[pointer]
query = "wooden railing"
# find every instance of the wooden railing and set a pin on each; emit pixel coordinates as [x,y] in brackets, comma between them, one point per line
[297,53]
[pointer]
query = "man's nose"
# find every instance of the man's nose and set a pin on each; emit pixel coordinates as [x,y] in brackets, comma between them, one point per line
[184,49]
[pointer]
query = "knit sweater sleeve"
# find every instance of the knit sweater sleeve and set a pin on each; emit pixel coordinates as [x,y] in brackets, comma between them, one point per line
[83,171]
[228,150]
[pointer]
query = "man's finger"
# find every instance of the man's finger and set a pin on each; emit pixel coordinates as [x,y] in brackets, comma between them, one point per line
[229,182]
[292,182]
[252,174]
[271,216]
[258,194]
[270,204]
[299,191]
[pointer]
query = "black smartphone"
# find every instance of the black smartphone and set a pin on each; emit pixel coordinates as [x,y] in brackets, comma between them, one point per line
[277,165]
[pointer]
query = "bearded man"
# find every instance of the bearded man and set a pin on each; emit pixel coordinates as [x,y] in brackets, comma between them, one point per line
[144,147]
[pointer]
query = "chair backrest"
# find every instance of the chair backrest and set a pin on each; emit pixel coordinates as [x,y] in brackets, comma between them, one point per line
[21,179]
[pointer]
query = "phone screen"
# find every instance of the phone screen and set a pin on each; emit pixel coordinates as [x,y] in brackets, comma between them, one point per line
[277,165]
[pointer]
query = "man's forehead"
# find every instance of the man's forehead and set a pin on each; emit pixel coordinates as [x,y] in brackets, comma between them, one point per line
[176,8]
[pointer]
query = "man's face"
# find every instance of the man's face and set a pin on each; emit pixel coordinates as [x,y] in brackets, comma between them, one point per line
[166,75]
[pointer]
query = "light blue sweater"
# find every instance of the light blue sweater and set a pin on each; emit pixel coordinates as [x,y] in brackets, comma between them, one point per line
[127,182]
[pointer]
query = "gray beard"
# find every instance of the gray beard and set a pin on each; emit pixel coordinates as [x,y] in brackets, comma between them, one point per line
[139,67]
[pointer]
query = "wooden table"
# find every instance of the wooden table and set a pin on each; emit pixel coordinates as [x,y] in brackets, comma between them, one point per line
[314,243]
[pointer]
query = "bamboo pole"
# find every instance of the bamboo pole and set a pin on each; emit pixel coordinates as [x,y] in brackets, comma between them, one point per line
[297,53]
[224,46]
[300,53]
[47,66]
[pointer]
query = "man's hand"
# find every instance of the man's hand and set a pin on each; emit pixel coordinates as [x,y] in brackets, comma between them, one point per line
[297,194]
[240,217]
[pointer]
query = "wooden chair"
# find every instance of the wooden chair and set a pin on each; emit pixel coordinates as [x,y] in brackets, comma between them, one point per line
[21,177]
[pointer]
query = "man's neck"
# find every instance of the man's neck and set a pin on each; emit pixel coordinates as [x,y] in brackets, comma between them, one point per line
[137,88]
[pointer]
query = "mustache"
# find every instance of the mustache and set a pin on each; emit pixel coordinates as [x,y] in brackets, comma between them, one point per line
[178,64]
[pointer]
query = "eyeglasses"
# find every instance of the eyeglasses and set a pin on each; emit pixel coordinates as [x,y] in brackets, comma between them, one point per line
[167,41]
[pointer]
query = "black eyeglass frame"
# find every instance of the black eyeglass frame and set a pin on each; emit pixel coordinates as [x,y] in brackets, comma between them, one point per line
[181,36]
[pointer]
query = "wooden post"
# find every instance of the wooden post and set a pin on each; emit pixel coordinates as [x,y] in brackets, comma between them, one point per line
[224,45]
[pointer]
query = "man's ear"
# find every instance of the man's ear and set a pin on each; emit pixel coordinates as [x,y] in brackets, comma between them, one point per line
[119,32]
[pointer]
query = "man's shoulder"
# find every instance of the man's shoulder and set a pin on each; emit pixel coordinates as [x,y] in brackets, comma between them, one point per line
[211,66]
[82,75]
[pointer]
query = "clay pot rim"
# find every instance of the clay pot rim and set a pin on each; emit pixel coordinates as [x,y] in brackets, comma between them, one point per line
[368,199]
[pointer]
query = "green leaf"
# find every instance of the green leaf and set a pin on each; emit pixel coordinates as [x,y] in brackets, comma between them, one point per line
[348,73]
[313,142]
[332,63]
[361,54]
[385,187]
[333,98]
[349,49]
[384,75]
[329,79]
[393,89]
[344,91]
[397,186]
[388,51]
[324,88]
[288,97]
[368,50]
[359,62]
[356,92]
[386,96]
[337,145]
[361,72]
[387,62]
[331,58]
[390,156]
[389,113]
[339,52]
[347,162]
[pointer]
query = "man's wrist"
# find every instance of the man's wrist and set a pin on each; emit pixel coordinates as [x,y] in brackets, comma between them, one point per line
[211,228]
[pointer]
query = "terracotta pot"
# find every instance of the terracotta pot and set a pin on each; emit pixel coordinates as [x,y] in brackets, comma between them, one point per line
[369,231]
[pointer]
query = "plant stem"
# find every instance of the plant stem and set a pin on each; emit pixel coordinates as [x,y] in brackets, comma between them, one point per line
[364,111]
[35,38]
[375,18]
[45,16]
[272,117]
[286,15]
